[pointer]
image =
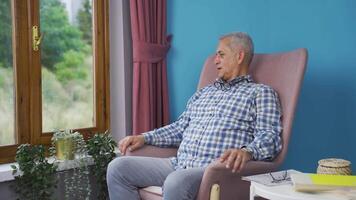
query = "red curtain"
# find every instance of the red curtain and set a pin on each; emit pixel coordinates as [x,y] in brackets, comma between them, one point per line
[150,46]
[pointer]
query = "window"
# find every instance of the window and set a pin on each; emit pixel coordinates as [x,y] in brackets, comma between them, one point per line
[7,116]
[66,64]
[54,72]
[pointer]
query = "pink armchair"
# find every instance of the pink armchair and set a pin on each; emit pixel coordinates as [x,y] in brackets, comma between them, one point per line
[282,71]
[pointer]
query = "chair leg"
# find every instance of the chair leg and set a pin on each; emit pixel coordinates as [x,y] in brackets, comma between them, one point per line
[252,192]
[215,192]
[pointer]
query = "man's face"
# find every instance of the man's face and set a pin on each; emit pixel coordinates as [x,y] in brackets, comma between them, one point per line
[226,61]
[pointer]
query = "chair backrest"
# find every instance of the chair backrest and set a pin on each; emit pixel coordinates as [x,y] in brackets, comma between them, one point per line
[284,72]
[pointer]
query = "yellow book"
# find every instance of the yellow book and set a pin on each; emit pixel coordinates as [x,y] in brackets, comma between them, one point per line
[321,182]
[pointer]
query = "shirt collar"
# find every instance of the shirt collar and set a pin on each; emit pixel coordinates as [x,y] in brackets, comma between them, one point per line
[243,79]
[227,85]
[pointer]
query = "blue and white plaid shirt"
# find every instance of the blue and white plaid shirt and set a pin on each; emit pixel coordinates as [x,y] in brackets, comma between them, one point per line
[221,116]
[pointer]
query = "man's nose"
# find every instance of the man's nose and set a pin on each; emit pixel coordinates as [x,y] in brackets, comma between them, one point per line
[216,60]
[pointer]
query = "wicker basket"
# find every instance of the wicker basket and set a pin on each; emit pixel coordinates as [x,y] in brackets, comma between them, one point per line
[334,166]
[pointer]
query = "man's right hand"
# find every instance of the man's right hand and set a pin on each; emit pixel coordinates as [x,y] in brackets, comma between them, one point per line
[131,143]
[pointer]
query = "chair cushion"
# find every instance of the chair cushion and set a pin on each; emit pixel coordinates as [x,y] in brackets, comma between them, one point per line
[151,193]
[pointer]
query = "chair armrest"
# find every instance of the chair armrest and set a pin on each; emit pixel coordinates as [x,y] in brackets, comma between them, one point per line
[231,185]
[153,151]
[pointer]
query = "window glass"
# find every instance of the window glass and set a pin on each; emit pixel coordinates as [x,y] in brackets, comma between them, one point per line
[67,64]
[7,116]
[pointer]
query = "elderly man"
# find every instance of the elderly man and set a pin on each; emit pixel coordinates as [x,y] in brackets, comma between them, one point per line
[234,120]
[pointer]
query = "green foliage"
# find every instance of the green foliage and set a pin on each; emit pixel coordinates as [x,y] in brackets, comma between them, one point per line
[36,179]
[52,89]
[76,186]
[71,68]
[85,21]
[2,78]
[64,134]
[62,102]
[7,106]
[60,35]
[5,33]
[6,81]
[1,81]
[101,148]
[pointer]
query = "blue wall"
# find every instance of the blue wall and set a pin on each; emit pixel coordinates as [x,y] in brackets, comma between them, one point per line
[325,123]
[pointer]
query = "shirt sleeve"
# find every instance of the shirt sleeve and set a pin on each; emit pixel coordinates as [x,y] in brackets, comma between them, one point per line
[267,140]
[171,135]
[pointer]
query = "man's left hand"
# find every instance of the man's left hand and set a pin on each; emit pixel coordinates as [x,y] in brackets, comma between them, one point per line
[235,159]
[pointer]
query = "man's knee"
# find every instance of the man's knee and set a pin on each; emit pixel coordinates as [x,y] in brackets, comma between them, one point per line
[173,185]
[117,168]
[179,186]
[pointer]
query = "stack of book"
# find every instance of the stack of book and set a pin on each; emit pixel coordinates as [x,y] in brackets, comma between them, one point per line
[304,182]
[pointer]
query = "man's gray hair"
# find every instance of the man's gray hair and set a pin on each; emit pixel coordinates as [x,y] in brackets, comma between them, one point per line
[240,40]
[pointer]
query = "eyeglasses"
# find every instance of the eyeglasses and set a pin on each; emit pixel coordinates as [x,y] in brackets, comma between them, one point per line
[222,86]
[279,179]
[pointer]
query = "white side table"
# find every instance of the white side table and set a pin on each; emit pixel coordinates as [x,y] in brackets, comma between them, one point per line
[286,192]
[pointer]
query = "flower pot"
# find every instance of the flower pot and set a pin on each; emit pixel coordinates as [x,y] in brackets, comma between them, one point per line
[65,148]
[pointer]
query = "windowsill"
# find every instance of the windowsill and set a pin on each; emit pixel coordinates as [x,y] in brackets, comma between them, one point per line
[6,170]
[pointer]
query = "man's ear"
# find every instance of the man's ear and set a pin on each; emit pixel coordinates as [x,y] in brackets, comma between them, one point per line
[240,57]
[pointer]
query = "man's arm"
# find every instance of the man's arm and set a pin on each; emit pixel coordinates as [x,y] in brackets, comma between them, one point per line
[172,134]
[131,143]
[235,159]
[267,142]
[169,135]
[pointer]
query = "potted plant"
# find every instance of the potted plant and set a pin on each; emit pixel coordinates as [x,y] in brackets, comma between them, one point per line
[101,147]
[70,148]
[65,143]
[34,175]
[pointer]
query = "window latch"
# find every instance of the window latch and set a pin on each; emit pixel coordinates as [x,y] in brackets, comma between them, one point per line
[36,38]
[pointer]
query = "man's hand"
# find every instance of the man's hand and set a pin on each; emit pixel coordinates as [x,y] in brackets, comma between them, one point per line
[235,159]
[131,143]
